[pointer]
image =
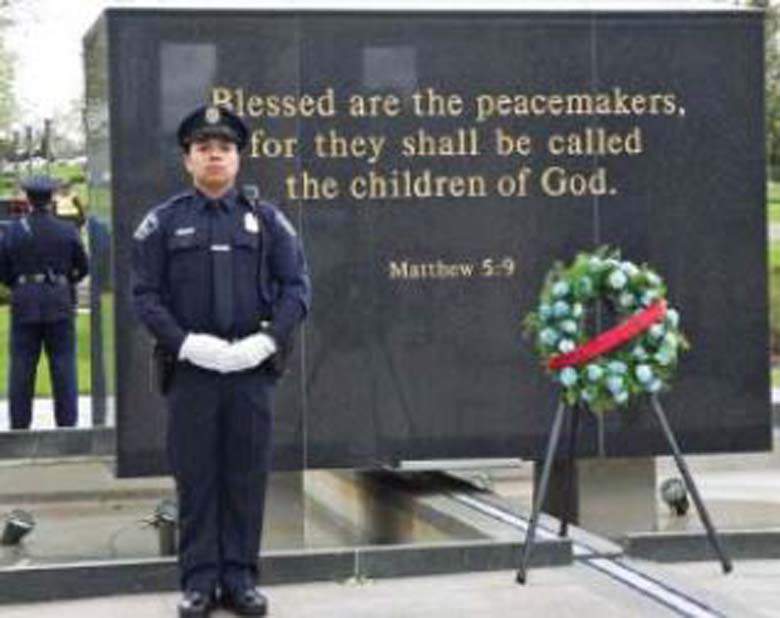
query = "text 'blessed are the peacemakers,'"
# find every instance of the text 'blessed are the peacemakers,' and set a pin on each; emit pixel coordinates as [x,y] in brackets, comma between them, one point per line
[431,103]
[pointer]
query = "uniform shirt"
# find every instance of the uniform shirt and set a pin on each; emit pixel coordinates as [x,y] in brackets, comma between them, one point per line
[173,266]
[38,244]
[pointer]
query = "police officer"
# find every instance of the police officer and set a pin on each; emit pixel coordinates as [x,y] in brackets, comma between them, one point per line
[41,260]
[221,283]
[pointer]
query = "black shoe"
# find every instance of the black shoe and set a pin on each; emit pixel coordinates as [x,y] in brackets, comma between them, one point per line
[195,604]
[245,601]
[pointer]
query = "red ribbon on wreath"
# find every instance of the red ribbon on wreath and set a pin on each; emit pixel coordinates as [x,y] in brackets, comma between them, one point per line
[612,338]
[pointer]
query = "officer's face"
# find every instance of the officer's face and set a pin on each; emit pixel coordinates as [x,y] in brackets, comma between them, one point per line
[213,164]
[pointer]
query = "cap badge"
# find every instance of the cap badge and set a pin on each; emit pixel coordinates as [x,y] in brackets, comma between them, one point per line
[212,115]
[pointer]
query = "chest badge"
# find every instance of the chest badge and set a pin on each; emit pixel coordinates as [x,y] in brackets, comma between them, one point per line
[250,223]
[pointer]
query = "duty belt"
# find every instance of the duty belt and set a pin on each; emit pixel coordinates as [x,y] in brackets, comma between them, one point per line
[42,278]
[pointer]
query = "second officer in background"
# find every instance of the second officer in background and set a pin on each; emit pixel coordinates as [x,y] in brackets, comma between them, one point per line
[42,259]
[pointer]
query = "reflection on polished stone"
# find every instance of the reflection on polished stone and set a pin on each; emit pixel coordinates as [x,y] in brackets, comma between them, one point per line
[43,414]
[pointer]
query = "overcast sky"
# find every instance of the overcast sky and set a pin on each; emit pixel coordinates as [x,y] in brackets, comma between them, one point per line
[47,36]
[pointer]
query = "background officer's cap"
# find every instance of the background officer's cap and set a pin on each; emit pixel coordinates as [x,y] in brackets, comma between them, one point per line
[212,121]
[40,185]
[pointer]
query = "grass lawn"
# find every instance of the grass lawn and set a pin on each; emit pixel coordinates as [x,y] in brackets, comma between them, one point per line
[773,201]
[60,170]
[42,382]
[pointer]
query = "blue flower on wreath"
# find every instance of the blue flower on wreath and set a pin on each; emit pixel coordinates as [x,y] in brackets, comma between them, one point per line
[561,309]
[594,372]
[621,397]
[617,280]
[654,386]
[627,300]
[548,336]
[576,310]
[560,289]
[566,346]
[615,384]
[644,373]
[671,340]
[545,311]
[639,352]
[568,376]
[618,367]
[629,268]
[569,326]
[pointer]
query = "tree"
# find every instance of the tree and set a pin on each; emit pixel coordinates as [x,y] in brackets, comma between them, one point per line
[771,82]
[7,99]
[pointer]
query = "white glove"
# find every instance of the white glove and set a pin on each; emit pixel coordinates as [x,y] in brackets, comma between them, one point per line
[206,351]
[247,353]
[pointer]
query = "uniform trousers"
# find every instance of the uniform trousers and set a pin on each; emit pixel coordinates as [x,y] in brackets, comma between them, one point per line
[219,448]
[59,341]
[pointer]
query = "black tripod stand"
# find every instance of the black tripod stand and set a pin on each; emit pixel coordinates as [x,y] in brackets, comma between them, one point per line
[552,447]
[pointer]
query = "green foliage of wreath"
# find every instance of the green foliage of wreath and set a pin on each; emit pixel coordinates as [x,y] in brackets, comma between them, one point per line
[568,302]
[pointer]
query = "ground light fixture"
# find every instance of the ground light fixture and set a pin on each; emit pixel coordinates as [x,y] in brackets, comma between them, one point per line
[165,518]
[675,496]
[18,524]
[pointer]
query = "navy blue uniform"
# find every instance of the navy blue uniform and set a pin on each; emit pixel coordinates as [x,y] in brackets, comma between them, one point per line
[41,259]
[219,428]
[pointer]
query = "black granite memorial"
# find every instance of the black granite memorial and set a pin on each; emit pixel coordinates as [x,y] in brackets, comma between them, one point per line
[435,166]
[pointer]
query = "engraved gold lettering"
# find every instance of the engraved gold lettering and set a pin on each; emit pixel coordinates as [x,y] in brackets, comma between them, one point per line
[462,143]
[557,182]
[375,105]
[428,103]
[264,145]
[333,145]
[404,184]
[430,270]
[275,105]
[596,141]
[507,145]
[307,187]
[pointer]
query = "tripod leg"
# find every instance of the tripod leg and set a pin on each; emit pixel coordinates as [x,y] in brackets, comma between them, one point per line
[541,494]
[689,483]
[568,495]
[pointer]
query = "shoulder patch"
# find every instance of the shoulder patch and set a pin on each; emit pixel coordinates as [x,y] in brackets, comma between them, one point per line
[284,222]
[147,226]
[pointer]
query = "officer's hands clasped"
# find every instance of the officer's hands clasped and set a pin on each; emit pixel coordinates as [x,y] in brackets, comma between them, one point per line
[215,354]
[248,352]
[203,350]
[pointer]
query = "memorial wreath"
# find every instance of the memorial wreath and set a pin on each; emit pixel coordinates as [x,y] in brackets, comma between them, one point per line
[637,356]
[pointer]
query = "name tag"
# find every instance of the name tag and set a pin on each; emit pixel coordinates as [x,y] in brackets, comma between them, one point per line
[184,231]
[220,247]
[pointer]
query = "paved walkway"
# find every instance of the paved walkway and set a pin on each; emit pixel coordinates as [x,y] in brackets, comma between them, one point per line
[753,590]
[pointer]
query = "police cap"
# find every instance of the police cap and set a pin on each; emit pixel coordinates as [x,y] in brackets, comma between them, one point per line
[40,185]
[212,121]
